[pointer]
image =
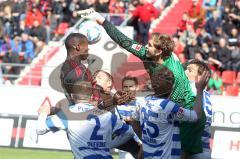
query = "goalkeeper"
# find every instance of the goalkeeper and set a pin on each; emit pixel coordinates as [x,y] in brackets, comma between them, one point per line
[159,52]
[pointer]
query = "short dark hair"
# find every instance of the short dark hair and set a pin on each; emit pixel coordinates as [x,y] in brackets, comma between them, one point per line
[202,66]
[73,39]
[162,82]
[134,79]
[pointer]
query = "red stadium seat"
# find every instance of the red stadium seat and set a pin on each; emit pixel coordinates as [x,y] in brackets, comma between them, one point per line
[62,27]
[228,77]
[238,78]
[232,91]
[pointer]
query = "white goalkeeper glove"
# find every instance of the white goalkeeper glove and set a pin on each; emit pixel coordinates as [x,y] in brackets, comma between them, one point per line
[91,14]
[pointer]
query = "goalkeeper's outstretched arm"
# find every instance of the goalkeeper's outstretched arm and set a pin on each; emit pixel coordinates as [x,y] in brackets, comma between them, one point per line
[116,35]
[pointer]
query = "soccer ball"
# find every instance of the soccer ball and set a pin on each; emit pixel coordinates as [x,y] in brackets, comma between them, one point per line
[91,30]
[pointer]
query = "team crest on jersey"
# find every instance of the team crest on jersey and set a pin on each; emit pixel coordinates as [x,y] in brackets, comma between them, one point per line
[180,113]
[136,47]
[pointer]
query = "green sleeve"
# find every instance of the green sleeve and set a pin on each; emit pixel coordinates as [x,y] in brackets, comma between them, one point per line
[124,41]
[218,83]
[182,91]
[210,83]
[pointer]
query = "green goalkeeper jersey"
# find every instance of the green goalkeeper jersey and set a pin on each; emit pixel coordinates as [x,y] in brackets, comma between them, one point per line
[181,93]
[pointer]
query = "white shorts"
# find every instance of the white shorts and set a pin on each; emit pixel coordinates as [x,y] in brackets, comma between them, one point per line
[125,155]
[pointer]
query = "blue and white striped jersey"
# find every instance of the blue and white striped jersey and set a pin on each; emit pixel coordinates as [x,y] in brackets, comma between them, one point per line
[127,110]
[91,138]
[207,107]
[159,120]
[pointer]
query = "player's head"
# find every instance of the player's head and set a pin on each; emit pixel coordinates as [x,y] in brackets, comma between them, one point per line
[77,45]
[195,68]
[104,80]
[162,82]
[77,81]
[160,45]
[130,84]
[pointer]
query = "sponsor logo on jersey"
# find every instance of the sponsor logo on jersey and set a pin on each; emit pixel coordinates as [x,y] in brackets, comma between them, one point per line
[136,47]
[180,113]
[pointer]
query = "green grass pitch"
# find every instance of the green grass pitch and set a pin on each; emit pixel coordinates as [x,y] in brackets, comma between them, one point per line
[12,153]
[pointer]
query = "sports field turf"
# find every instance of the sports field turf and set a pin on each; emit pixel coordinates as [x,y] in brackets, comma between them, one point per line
[11,153]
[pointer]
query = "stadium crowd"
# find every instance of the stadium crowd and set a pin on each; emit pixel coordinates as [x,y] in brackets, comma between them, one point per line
[209,31]
[26,26]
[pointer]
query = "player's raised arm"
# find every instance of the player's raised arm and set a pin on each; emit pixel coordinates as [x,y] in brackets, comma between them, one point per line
[200,83]
[116,35]
[47,123]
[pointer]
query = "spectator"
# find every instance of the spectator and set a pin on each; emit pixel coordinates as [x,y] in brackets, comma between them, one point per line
[191,50]
[33,15]
[50,24]
[85,4]
[4,3]
[203,37]
[44,6]
[22,28]
[215,84]
[182,25]
[7,44]
[213,23]
[213,59]
[227,22]
[102,6]
[58,7]
[74,19]
[234,38]
[235,13]
[235,58]
[218,34]
[14,45]
[13,58]
[205,50]
[1,30]
[188,35]
[179,48]
[73,6]
[198,56]
[224,55]
[26,48]
[209,6]
[8,21]
[227,3]
[196,14]
[146,13]
[38,35]
[18,11]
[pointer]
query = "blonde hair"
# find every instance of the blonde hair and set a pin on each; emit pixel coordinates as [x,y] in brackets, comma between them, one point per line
[163,42]
[7,10]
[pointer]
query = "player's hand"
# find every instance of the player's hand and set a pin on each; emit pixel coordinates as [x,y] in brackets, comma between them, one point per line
[202,80]
[91,14]
[121,97]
